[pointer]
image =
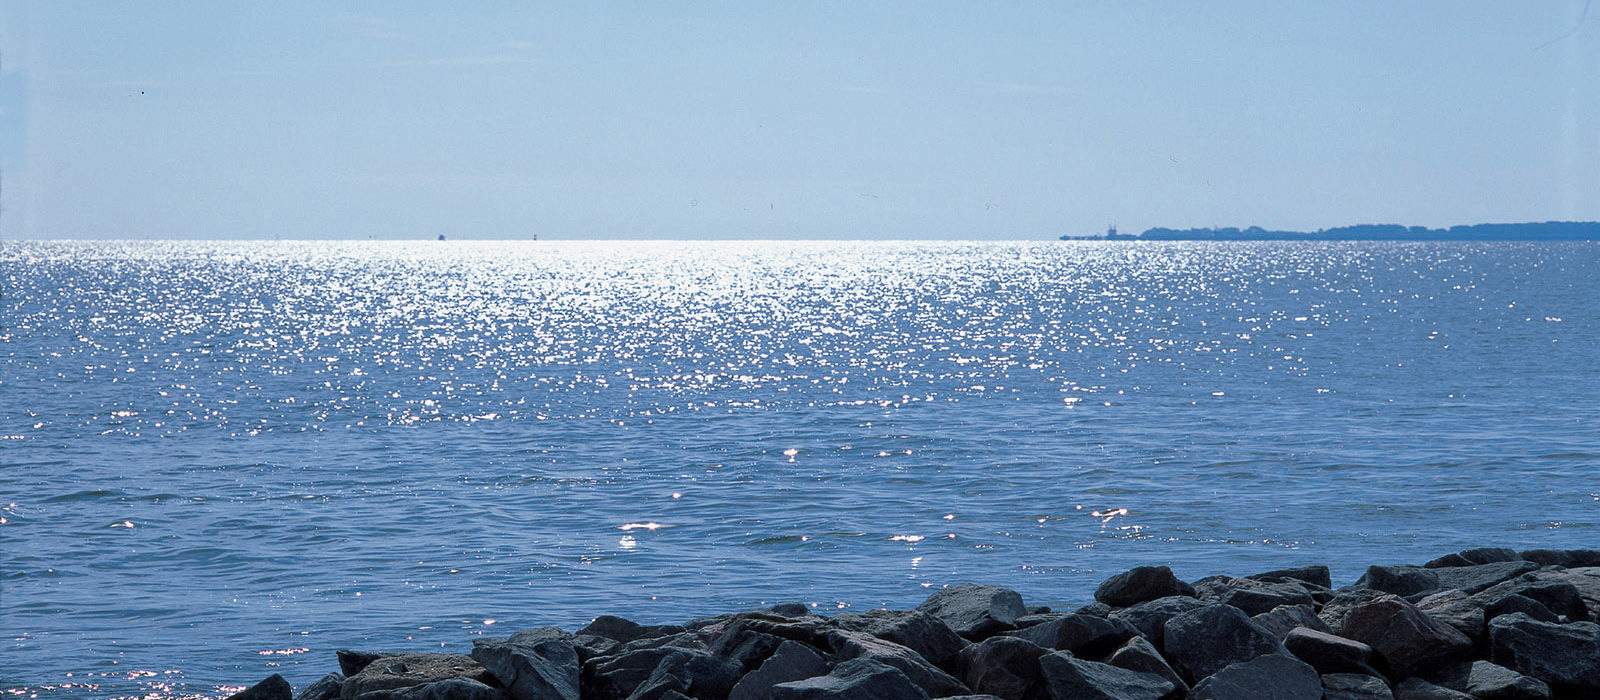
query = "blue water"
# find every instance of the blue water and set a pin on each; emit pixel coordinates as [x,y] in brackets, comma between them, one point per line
[222,460]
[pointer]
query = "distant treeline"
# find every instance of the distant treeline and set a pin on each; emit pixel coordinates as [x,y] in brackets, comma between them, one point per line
[1546,231]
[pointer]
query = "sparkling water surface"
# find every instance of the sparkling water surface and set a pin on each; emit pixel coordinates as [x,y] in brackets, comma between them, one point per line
[224,460]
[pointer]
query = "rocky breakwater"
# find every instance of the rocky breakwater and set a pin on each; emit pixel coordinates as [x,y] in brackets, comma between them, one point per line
[1484,623]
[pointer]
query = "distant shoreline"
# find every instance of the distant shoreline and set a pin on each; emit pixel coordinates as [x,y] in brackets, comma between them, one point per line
[1542,231]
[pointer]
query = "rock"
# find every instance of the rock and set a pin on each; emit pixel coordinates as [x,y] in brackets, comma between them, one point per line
[812,631]
[1568,558]
[1557,594]
[1280,620]
[447,689]
[1478,577]
[615,677]
[792,661]
[680,640]
[1316,575]
[623,630]
[1330,654]
[744,646]
[1472,557]
[393,672]
[1083,635]
[856,679]
[273,687]
[1333,611]
[1203,641]
[791,610]
[1404,638]
[1400,580]
[1418,689]
[1150,617]
[1270,677]
[536,664]
[326,688]
[857,645]
[691,673]
[975,612]
[1487,681]
[1354,686]
[919,631]
[1138,654]
[1003,666]
[972,697]
[1069,678]
[1254,597]
[1140,584]
[1564,656]
[1096,609]
[1518,603]
[1457,609]
[589,646]
[1587,582]
[352,662]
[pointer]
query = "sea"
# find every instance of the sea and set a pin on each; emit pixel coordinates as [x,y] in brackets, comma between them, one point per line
[224,460]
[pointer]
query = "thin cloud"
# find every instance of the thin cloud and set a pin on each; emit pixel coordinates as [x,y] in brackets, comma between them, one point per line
[1024,88]
[446,61]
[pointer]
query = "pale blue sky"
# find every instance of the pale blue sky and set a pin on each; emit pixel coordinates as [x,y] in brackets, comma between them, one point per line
[808,120]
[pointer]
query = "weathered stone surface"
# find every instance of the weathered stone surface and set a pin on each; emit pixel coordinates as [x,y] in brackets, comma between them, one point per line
[392,672]
[1003,666]
[1486,681]
[536,664]
[1457,609]
[1404,638]
[917,630]
[1083,635]
[1569,558]
[1354,686]
[1316,575]
[1280,620]
[1069,678]
[1565,656]
[1400,580]
[1587,582]
[1478,577]
[691,673]
[858,645]
[1140,584]
[1518,603]
[856,679]
[1150,617]
[975,612]
[325,688]
[744,646]
[447,689]
[1330,653]
[792,661]
[1418,689]
[1472,557]
[680,640]
[1270,677]
[1252,596]
[813,631]
[1097,609]
[1557,594]
[273,687]
[615,677]
[1203,641]
[1138,654]
[352,662]
[1333,611]
[624,630]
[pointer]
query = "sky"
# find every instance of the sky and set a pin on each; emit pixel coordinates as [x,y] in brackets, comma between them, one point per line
[892,120]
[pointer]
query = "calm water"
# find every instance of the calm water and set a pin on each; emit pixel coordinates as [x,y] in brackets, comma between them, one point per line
[221,460]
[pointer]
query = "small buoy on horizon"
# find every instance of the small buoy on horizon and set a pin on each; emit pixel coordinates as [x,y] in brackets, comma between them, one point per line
[441,236]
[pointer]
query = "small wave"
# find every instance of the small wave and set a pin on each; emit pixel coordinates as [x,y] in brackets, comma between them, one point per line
[84,496]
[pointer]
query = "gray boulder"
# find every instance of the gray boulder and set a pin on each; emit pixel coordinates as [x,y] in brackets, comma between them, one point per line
[352,662]
[1203,641]
[1150,617]
[1564,656]
[1408,641]
[624,630]
[1067,677]
[617,677]
[447,689]
[1486,681]
[1252,596]
[1140,584]
[1284,618]
[1568,558]
[856,679]
[394,672]
[326,688]
[273,687]
[975,612]
[858,645]
[1270,677]
[1518,603]
[744,646]
[1354,686]
[1316,575]
[1138,654]
[917,630]
[1003,666]
[692,673]
[1457,609]
[1478,577]
[1083,635]
[532,664]
[792,661]
[1330,654]
[1560,595]
[1400,580]
[1333,611]
[1473,557]
[1418,689]
[1587,582]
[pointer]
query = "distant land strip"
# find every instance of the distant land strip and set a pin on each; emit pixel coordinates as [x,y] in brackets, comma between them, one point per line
[1545,231]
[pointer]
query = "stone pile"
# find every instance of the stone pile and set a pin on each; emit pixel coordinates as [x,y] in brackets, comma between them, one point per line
[1483,623]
